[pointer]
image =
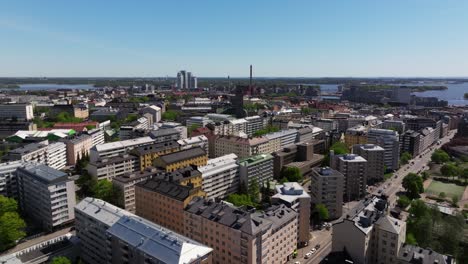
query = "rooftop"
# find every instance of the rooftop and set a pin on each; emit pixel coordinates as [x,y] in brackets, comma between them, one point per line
[163,132]
[155,147]
[290,191]
[100,210]
[44,173]
[244,141]
[253,160]
[124,143]
[415,254]
[183,155]
[170,189]
[28,149]
[351,158]
[327,171]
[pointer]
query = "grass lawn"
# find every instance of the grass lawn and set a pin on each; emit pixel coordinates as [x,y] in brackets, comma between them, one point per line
[449,189]
[388,175]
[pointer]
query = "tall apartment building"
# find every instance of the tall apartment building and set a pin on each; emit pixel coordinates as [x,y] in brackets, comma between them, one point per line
[114,149]
[23,112]
[220,176]
[36,152]
[390,142]
[242,147]
[97,136]
[163,202]
[165,135]
[396,125]
[327,188]
[154,111]
[116,166]
[148,153]
[294,196]
[180,159]
[375,161]
[326,124]
[239,236]
[78,147]
[56,155]
[109,234]
[8,181]
[46,195]
[257,168]
[376,236]
[354,169]
[301,156]
[286,137]
[356,135]
[254,123]
[192,142]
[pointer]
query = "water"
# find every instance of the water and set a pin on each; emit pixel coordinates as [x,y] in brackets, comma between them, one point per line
[52,86]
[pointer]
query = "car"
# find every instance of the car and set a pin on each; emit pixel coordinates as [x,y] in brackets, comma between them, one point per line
[312,251]
[297,262]
[308,255]
[317,246]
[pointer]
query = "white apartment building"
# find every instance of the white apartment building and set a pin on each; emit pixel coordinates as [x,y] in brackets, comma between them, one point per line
[192,142]
[257,168]
[287,137]
[327,189]
[354,169]
[254,123]
[388,140]
[243,147]
[113,149]
[108,168]
[46,195]
[16,111]
[36,152]
[97,136]
[154,111]
[220,177]
[56,155]
[8,181]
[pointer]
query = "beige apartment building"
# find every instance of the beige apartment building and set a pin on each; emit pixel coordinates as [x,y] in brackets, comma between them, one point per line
[77,147]
[245,147]
[239,236]
[374,155]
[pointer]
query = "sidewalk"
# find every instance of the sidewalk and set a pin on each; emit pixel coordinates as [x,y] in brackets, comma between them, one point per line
[319,237]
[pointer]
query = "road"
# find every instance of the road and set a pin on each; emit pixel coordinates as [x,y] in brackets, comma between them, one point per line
[319,237]
[393,185]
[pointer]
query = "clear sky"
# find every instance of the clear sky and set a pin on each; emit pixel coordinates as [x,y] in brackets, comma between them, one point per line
[307,38]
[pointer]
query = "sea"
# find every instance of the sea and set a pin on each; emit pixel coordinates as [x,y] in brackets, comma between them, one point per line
[51,86]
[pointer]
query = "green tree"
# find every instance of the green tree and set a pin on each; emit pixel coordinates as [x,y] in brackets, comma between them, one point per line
[405,157]
[104,190]
[413,185]
[322,211]
[254,191]
[170,115]
[439,156]
[338,149]
[191,128]
[293,174]
[449,170]
[425,175]
[455,200]
[464,174]
[442,195]
[240,200]
[11,229]
[403,201]
[410,239]
[60,260]
[7,205]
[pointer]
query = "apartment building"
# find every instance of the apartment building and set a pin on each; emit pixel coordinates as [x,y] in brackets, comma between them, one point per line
[154,111]
[409,254]
[377,237]
[198,121]
[254,123]
[23,112]
[300,155]
[46,195]
[148,153]
[396,125]
[163,202]
[36,152]
[78,147]
[239,236]
[165,135]
[375,161]
[242,147]
[286,137]
[220,176]
[56,155]
[196,141]
[109,234]
[109,168]
[354,169]
[97,136]
[390,142]
[127,130]
[258,168]
[180,159]
[294,196]
[113,149]
[327,188]
[356,135]
[8,181]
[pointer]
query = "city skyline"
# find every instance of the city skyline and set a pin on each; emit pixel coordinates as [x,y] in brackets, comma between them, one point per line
[358,39]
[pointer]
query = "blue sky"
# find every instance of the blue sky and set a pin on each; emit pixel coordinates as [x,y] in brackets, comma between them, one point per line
[308,38]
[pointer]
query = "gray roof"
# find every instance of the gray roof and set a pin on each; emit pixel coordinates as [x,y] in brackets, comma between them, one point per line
[28,148]
[156,241]
[169,189]
[415,254]
[278,215]
[104,212]
[44,173]
[156,147]
[183,155]
[163,132]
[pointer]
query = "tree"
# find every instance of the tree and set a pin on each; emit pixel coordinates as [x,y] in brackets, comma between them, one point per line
[7,205]
[449,170]
[240,200]
[413,185]
[439,156]
[60,260]
[410,239]
[192,128]
[455,200]
[293,174]
[322,211]
[425,175]
[442,195]
[338,149]
[104,190]
[405,157]
[403,201]
[254,191]
[464,174]
[170,115]
[11,229]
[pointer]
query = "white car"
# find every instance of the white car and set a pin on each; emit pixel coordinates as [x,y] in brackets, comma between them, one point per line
[313,251]
[308,255]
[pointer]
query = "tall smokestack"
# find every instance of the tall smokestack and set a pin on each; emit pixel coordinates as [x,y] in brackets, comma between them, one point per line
[250,81]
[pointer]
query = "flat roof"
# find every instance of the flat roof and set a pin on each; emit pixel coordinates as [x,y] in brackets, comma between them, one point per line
[100,210]
[183,155]
[44,173]
[124,143]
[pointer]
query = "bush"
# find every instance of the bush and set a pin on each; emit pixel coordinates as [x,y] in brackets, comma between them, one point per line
[403,201]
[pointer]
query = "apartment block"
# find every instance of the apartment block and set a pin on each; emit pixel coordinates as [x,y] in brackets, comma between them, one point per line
[8,181]
[375,161]
[180,159]
[390,142]
[409,254]
[376,236]
[239,236]
[36,152]
[23,112]
[286,137]
[109,234]
[46,195]
[114,149]
[356,135]
[165,135]
[196,141]
[220,176]
[258,168]
[163,202]
[97,136]
[56,155]
[354,169]
[197,121]
[254,123]
[78,147]
[294,196]
[154,111]
[242,147]
[148,153]
[109,168]
[300,155]
[327,188]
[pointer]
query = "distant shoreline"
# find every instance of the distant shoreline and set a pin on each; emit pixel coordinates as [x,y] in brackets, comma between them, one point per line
[419,89]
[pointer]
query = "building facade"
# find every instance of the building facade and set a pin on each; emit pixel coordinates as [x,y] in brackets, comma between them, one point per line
[220,176]
[375,161]
[354,169]
[390,142]
[327,188]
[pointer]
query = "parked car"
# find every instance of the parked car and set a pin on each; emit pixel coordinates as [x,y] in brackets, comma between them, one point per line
[308,255]
[317,246]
